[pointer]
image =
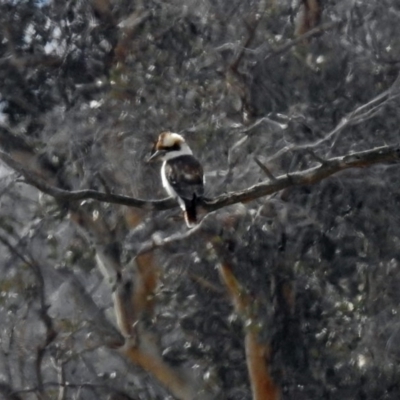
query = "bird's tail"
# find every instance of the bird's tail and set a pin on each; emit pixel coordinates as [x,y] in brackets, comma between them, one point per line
[191,212]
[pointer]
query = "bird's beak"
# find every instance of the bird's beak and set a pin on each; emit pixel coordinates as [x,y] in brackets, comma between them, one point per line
[156,156]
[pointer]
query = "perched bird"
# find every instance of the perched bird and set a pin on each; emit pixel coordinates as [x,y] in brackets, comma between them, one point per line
[181,174]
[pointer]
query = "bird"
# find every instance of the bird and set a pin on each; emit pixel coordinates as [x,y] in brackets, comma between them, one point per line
[182,174]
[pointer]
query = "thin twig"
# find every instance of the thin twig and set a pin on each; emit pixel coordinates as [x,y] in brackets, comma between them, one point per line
[61,376]
[252,29]
[313,32]
[265,169]
[361,114]
[316,157]
[156,243]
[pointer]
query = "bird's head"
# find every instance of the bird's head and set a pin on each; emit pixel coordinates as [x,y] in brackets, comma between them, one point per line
[167,146]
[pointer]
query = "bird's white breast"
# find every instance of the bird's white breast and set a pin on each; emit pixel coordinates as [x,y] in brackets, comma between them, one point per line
[170,190]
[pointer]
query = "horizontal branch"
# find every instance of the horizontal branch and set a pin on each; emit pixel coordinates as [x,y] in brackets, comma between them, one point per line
[35,180]
[306,177]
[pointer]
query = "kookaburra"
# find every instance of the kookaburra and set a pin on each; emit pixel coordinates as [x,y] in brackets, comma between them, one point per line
[181,174]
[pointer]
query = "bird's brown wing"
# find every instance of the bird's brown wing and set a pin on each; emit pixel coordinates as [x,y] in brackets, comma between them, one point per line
[185,175]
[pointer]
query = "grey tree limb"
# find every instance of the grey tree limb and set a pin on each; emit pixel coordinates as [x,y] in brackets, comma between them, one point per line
[305,177]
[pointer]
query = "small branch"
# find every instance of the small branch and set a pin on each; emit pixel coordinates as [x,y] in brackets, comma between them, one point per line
[155,243]
[268,121]
[252,29]
[316,157]
[124,311]
[265,169]
[31,61]
[311,33]
[360,114]
[61,377]
[205,284]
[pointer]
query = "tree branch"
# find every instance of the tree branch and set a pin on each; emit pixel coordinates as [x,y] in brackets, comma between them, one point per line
[60,194]
[252,28]
[306,177]
[313,32]
[265,169]
[361,114]
[155,242]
